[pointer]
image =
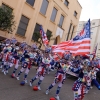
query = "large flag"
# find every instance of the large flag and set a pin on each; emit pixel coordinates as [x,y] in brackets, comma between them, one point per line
[79,45]
[44,36]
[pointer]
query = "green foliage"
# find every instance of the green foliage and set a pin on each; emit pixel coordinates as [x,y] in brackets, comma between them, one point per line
[37,38]
[49,36]
[7,22]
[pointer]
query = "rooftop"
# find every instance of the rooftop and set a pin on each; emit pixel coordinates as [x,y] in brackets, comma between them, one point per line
[79,3]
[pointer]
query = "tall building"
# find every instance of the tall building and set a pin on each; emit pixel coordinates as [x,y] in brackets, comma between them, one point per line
[58,17]
[95,34]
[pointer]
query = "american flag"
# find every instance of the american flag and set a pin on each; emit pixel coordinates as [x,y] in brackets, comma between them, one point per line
[44,36]
[79,45]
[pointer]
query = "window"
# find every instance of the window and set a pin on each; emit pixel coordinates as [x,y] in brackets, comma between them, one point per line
[84,24]
[66,2]
[54,13]
[36,30]
[44,7]
[80,25]
[91,33]
[49,34]
[61,20]
[23,25]
[31,2]
[5,6]
[75,13]
[69,31]
[93,23]
[72,32]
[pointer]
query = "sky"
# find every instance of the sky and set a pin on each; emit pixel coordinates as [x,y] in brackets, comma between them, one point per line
[90,9]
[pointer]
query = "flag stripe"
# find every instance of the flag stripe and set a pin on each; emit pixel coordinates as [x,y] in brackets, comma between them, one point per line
[78,46]
[74,49]
[84,42]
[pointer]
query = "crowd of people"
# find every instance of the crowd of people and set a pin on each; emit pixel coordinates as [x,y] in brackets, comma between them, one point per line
[15,55]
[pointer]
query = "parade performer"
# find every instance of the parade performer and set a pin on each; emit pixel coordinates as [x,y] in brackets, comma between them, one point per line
[24,52]
[1,60]
[52,62]
[7,58]
[34,46]
[13,59]
[59,79]
[80,85]
[16,58]
[23,44]
[41,71]
[25,67]
[93,75]
[39,58]
[46,61]
[76,87]
[7,41]
[13,41]
[4,56]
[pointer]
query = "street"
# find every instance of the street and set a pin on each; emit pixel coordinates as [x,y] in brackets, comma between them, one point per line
[10,88]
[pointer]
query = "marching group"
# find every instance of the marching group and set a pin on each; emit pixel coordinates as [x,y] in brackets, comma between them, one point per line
[16,55]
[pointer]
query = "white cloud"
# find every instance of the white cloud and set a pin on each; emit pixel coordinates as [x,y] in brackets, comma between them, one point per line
[90,9]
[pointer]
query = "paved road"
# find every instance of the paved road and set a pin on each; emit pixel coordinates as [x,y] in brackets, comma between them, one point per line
[10,89]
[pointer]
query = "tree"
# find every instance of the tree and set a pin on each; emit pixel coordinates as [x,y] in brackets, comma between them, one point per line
[49,36]
[7,22]
[37,38]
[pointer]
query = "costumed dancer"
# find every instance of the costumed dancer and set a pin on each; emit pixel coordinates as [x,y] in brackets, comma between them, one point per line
[4,57]
[13,60]
[88,75]
[41,71]
[93,77]
[7,59]
[16,58]
[25,67]
[7,41]
[46,61]
[34,46]
[13,41]
[52,62]
[23,45]
[79,86]
[39,58]
[1,60]
[23,53]
[59,79]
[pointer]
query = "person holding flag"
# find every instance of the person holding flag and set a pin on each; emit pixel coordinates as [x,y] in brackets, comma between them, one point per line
[82,37]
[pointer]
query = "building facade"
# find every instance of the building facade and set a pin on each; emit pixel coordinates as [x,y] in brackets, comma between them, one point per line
[95,34]
[58,17]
